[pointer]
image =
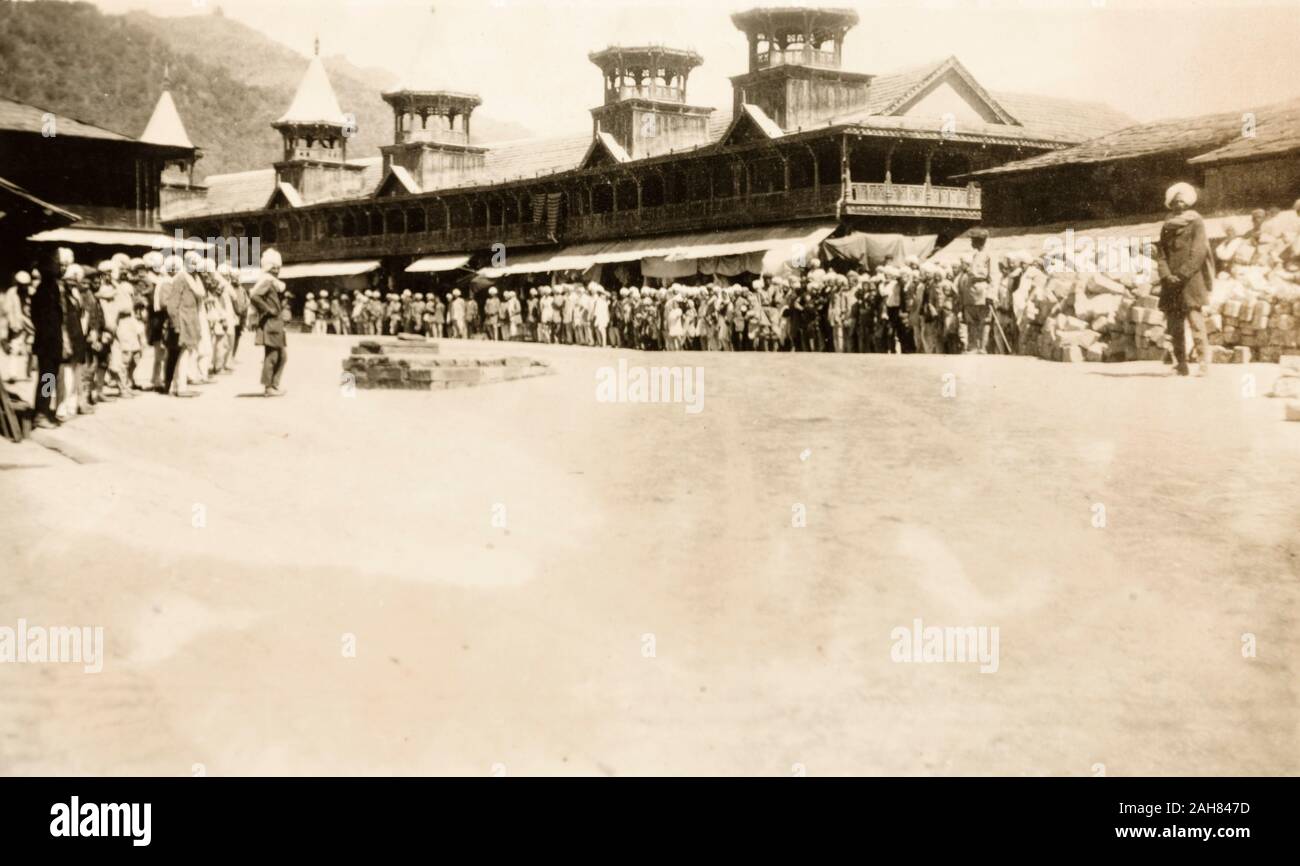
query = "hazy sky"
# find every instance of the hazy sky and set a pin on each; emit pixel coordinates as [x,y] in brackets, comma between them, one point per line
[528,58]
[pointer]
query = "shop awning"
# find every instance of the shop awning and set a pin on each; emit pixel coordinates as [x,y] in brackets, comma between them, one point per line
[437,264]
[328,269]
[117,238]
[1037,240]
[798,239]
[876,249]
[573,258]
[757,243]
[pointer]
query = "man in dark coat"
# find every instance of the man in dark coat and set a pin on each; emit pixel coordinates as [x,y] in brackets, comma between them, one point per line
[267,298]
[1186,268]
[76,349]
[47,342]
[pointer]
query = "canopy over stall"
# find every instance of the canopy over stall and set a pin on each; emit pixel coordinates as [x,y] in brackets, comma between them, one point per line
[118,238]
[438,264]
[350,268]
[761,249]
[873,250]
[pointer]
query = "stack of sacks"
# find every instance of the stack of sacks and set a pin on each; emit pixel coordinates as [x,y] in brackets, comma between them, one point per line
[1257,310]
[1074,317]
[1075,310]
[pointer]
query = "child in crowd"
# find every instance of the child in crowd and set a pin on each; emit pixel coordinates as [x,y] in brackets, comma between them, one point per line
[130,343]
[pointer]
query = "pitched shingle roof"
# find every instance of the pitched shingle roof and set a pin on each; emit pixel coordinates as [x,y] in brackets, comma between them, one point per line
[1217,133]
[314,102]
[888,89]
[165,126]
[1276,131]
[21,117]
[1027,116]
[534,157]
[1066,120]
[887,94]
[241,191]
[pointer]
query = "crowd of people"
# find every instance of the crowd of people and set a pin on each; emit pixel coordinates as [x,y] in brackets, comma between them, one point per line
[82,331]
[171,324]
[898,306]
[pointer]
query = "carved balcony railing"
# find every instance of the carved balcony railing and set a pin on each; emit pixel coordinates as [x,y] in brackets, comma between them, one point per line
[414,243]
[658,92]
[804,56]
[705,213]
[915,199]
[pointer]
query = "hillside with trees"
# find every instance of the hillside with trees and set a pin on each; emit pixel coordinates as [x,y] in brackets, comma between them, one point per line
[229,81]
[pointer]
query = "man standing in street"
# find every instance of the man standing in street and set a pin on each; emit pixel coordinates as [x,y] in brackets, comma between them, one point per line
[492,315]
[1186,269]
[457,314]
[49,339]
[268,298]
[839,313]
[977,293]
[184,295]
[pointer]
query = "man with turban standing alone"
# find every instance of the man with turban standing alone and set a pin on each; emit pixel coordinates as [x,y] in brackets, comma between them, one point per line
[1186,268]
[268,298]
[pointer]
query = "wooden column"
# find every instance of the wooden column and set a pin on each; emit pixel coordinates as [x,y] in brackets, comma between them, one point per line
[817,181]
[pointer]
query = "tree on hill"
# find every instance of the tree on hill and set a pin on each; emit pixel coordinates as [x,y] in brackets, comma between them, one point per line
[229,81]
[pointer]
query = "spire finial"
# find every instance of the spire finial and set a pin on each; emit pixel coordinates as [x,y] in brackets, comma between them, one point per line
[316,48]
[167,77]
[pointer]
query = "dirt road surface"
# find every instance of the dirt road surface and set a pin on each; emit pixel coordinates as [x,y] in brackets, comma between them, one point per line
[520,579]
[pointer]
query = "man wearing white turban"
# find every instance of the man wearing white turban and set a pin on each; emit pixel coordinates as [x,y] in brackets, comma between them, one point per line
[267,298]
[1183,192]
[1186,268]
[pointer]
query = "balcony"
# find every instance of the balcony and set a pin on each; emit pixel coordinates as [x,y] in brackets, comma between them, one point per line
[656,92]
[415,243]
[705,214]
[804,56]
[901,199]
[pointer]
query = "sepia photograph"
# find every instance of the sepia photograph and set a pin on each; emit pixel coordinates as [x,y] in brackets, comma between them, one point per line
[428,391]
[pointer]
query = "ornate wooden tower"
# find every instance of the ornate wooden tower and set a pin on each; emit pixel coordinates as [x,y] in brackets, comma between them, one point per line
[794,65]
[431,134]
[165,127]
[645,108]
[315,133]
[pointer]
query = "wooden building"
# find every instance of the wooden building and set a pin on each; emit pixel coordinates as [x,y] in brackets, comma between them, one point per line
[21,215]
[804,143]
[166,129]
[113,183]
[1238,159]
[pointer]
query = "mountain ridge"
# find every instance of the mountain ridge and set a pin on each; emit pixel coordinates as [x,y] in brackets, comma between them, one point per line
[229,81]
